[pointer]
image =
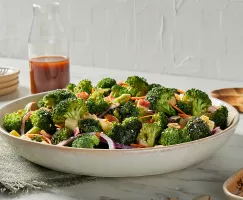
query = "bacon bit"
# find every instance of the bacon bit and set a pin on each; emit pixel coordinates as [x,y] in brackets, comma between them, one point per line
[145,116]
[83,95]
[181,91]
[43,132]
[184,115]
[111,118]
[138,145]
[136,98]
[178,109]
[143,103]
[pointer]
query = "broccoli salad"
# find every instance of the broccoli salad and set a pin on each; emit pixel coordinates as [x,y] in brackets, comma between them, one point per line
[118,115]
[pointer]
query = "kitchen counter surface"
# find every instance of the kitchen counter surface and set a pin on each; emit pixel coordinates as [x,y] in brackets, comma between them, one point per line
[206,177]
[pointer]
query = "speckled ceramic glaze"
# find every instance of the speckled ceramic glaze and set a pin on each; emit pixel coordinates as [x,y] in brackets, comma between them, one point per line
[118,162]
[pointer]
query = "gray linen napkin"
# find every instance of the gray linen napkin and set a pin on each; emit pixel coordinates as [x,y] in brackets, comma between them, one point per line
[19,175]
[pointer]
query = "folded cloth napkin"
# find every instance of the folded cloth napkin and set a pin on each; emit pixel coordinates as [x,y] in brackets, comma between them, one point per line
[19,175]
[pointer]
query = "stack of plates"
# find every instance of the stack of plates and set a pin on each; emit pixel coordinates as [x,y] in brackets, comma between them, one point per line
[9,80]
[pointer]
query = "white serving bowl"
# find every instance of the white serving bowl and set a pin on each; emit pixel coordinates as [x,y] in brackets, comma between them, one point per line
[118,162]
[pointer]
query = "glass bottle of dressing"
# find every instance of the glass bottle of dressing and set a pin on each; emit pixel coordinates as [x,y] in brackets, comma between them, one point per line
[48,50]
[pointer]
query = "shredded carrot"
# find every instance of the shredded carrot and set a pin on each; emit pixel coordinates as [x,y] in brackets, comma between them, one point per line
[58,126]
[145,116]
[181,91]
[135,98]
[184,115]
[178,109]
[138,145]
[47,139]
[97,134]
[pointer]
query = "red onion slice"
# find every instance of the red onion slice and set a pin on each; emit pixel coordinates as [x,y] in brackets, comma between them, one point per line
[76,131]
[109,140]
[68,141]
[216,130]
[115,105]
[211,109]
[24,119]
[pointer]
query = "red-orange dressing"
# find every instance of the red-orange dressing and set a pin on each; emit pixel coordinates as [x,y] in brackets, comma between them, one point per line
[48,73]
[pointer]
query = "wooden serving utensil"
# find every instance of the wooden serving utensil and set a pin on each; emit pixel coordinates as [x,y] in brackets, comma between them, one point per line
[233,96]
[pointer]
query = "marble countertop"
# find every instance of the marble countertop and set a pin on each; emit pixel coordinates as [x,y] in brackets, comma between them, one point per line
[204,178]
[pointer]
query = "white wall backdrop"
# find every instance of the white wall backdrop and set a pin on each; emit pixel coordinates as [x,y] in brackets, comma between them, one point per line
[202,38]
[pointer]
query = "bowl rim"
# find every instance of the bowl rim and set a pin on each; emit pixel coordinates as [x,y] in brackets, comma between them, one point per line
[226,191]
[233,125]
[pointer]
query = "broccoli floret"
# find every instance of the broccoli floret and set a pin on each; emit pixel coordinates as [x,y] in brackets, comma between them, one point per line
[89,125]
[151,131]
[220,117]
[37,138]
[137,86]
[172,136]
[148,134]
[51,99]
[69,108]
[86,141]
[126,110]
[197,128]
[60,135]
[42,119]
[186,108]
[96,103]
[125,132]
[159,99]
[106,83]
[161,120]
[12,121]
[118,90]
[153,85]
[124,98]
[84,85]
[70,87]
[198,100]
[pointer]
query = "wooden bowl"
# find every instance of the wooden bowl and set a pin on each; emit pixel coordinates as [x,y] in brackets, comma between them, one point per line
[233,96]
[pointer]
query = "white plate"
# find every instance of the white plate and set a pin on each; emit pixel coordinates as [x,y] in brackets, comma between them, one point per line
[9,83]
[12,73]
[118,162]
[8,90]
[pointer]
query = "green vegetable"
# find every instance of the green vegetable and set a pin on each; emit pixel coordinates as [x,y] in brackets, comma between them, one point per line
[118,90]
[220,117]
[125,132]
[198,100]
[126,110]
[86,141]
[34,130]
[61,135]
[69,108]
[84,85]
[106,83]
[89,125]
[37,138]
[159,100]
[122,99]
[137,86]
[153,85]
[70,87]
[148,134]
[172,136]
[197,128]
[161,120]
[42,119]
[51,99]
[13,121]
[96,103]
[186,108]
